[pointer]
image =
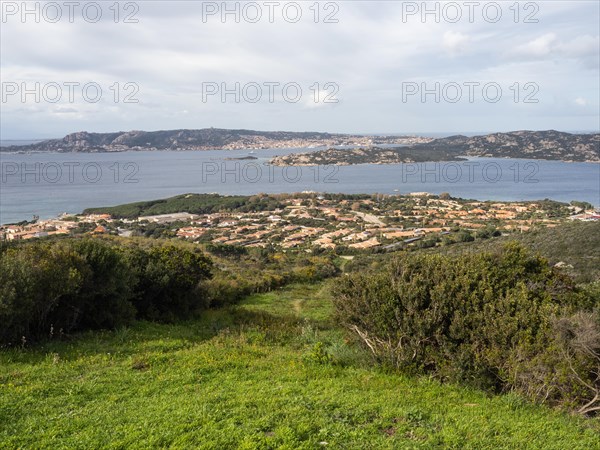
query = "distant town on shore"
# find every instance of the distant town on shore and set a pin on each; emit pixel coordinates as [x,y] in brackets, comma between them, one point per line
[360,149]
[312,221]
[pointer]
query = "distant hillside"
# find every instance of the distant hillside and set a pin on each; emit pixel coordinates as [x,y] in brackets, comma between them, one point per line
[552,145]
[549,145]
[573,245]
[525,144]
[190,203]
[366,155]
[202,139]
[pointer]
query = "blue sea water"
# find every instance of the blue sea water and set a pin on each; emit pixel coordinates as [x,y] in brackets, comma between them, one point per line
[47,184]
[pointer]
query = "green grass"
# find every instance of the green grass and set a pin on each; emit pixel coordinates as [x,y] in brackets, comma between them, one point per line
[274,372]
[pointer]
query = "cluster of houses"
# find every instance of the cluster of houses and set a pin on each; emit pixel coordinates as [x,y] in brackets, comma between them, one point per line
[263,142]
[327,224]
[356,223]
[63,225]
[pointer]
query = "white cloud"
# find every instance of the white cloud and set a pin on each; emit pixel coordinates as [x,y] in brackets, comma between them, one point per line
[580,46]
[368,54]
[540,46]
[454,41]
[584,48]
[65,110]
[581,101]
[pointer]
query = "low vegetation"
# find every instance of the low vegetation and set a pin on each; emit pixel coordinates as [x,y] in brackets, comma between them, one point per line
[55,287]
[191,203]
[574,246]
[175,344]
[272,372]
[502,321]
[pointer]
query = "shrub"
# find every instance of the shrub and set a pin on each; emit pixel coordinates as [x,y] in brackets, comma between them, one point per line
[104,297]
[473,318]
[51,287]
[222,292]
[569,370]
[33,281]
[168,280]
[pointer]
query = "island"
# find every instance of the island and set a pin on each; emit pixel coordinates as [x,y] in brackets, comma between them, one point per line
[547,145]
[365,155]
[205,139]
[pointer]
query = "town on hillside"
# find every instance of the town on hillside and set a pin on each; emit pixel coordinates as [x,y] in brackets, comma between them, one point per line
[311,221]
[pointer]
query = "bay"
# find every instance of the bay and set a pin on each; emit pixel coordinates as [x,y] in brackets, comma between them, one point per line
[48,184]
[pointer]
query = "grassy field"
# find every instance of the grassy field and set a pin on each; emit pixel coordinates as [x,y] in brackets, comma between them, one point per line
[274,372]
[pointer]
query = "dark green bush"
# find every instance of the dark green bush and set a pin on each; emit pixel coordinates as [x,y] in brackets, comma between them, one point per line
[104,297]
[225,291]
[226,250]
[167,280]
[53,287]
[34,280]
[478,318]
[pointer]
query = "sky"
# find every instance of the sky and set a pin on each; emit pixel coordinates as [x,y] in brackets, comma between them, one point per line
[346,66]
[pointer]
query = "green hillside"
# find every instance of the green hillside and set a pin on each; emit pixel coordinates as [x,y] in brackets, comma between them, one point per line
[576,244]
[273,372]
[191,203]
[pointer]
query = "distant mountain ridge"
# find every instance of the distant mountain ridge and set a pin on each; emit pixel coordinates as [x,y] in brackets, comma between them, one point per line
[548,145]
[551,144]
[201,139]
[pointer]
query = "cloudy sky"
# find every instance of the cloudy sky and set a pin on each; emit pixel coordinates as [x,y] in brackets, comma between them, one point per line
[372,67]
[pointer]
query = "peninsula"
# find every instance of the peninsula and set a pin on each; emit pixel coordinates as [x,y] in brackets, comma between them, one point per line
[205,139]
[548,145]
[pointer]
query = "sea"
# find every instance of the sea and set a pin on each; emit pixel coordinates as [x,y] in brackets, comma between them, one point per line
[49,184]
